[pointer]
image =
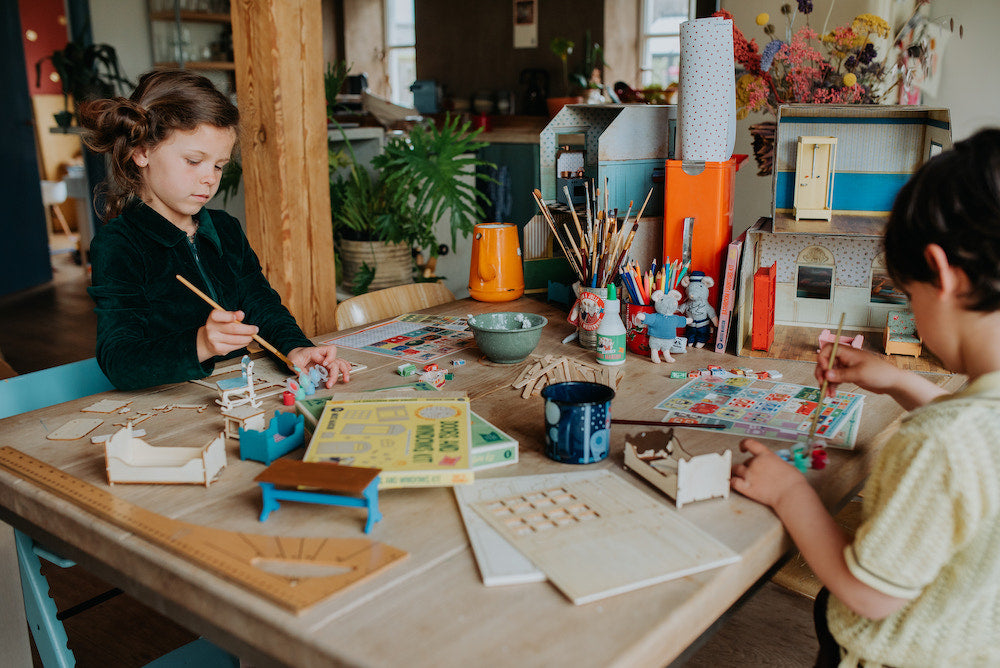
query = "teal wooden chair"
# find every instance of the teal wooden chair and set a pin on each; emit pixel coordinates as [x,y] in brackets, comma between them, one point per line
[38,390]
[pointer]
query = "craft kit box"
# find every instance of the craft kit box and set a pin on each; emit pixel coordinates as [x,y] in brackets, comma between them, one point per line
[828,267]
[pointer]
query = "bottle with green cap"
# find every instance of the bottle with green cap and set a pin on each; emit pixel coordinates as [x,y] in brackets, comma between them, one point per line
[611,331]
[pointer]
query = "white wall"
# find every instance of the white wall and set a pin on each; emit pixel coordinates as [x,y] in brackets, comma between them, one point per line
[967,66]
[124,24]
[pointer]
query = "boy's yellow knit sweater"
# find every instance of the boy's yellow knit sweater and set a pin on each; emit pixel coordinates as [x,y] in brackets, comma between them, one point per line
[931,533]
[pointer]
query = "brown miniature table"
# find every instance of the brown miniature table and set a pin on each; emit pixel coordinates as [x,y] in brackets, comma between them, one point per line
[432,608]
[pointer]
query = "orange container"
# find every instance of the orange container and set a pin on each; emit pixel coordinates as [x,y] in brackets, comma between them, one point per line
[706,196]
[496,273]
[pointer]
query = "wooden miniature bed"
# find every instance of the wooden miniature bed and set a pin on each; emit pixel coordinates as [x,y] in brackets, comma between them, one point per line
[129,459]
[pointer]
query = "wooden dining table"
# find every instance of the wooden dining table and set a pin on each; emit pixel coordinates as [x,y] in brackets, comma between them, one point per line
[430,609]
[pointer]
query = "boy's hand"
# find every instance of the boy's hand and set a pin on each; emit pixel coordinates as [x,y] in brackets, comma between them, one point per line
[326,356]
[222,333]
[765,477]
[864,369]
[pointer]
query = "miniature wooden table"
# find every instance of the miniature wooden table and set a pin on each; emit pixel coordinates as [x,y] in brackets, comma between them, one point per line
[431,609]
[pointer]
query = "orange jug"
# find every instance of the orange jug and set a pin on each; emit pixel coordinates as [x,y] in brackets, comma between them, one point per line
[496,273]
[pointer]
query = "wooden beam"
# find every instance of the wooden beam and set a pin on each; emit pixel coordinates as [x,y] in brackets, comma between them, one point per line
[279,85]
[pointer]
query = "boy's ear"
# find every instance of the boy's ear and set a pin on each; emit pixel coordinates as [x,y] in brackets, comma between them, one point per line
[950,280]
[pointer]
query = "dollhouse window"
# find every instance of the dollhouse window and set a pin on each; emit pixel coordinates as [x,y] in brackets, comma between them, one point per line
[883,291]
[814,274]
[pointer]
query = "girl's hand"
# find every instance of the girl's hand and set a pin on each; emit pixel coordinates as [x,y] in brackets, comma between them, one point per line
[222,333]
[326,356]
[765,477]
[864,369]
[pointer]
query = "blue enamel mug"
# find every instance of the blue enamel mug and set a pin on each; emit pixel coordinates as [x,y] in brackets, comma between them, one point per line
[577,422]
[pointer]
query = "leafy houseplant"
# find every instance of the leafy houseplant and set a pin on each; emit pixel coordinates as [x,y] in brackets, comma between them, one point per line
[418,183]
[86,72]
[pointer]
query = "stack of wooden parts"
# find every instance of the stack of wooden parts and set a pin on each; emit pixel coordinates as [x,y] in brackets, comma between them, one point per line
[542,371]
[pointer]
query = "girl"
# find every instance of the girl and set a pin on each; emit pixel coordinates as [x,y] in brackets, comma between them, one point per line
[919,584]
[166,147]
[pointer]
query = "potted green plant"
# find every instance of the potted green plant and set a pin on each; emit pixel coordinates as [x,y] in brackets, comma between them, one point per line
[381,218]
[562,48]
[86,72]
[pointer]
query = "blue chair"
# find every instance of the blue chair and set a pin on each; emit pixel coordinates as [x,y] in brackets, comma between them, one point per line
[38,390]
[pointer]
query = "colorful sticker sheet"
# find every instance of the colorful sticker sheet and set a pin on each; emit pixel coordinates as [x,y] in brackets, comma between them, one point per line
[765,409]
[412,337]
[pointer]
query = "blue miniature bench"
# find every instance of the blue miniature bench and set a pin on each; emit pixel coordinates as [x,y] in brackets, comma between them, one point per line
[285,433]
[329,484]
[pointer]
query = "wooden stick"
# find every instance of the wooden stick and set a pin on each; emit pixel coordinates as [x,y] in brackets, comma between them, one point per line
[653,423]
[256,337]
[822,391]
[644,205]
[576,220]
[555,232]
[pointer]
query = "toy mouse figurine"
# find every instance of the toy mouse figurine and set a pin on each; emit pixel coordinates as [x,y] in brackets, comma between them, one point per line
[701,315]
[662,325]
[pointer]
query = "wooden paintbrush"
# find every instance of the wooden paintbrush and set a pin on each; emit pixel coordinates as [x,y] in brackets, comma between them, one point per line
[653,423]
[211,302]
[822,391]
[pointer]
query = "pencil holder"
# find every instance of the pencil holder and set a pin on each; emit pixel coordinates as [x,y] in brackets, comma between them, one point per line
[636,336]
[587,329]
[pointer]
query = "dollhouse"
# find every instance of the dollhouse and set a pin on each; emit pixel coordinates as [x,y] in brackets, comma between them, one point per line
[823,268]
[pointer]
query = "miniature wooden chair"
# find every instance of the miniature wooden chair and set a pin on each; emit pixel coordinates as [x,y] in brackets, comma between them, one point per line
[900,336]
[391,302]
[25,393]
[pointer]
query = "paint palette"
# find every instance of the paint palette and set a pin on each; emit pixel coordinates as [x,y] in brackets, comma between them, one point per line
[765,409]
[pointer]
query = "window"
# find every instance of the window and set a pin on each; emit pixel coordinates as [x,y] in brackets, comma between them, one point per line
[401,54]
[661,42]
[814,274]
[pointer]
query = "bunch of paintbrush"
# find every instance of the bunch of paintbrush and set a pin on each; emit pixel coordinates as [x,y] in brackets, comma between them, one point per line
[596,247]
[641,285]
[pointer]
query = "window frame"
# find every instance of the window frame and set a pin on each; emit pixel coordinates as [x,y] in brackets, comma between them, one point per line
[645,73]
[399,92]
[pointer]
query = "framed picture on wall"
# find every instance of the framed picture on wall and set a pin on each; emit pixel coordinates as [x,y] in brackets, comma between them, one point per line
[525,24]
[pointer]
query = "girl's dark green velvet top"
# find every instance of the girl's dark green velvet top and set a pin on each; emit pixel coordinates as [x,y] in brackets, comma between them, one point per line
[147,320]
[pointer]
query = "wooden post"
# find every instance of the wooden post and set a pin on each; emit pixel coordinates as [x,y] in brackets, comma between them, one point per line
[279,84]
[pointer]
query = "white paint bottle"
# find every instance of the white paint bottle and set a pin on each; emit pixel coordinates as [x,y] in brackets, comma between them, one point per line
[611,331]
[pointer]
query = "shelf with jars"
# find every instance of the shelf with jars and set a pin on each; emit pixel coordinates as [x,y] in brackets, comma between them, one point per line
[192,34]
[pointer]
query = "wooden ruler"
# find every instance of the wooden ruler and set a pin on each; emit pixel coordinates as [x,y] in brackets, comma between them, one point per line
[270,566]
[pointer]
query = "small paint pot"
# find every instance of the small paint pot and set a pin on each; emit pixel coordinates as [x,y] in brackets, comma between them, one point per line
[577,422]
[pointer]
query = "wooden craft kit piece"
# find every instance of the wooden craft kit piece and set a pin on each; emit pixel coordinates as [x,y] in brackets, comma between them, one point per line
[241,418]
[138,419]
[542,371]
[324,482]
[285,433]
[104,438]
[239,558]
[129,459]
[660,459]
[106,406]
[594,535]
[235,392]
[75,429]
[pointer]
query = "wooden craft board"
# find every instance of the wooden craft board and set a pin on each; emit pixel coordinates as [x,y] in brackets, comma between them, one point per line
[594,535]
[75,429]
[230,555]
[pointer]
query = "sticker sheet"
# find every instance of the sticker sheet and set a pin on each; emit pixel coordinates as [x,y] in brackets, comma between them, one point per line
[765,409]
[412,337]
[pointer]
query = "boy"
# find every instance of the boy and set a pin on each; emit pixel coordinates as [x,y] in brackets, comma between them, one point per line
[920,582]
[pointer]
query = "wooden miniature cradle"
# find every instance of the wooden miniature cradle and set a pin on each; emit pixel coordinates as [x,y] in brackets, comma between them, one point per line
[129,459]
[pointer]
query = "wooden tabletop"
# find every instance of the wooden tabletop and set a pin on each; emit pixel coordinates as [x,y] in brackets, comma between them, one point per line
[431,609]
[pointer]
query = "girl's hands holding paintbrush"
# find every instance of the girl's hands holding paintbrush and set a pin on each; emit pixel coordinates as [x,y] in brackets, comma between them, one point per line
[873,373]
[222,333]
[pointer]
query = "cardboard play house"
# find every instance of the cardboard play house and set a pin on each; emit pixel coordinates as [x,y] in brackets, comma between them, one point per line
[827,267]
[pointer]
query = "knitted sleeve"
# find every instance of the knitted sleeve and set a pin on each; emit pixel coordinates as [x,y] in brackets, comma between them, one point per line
[921,504]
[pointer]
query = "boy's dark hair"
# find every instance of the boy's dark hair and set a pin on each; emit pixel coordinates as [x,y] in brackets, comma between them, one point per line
[164,101]
[953,201]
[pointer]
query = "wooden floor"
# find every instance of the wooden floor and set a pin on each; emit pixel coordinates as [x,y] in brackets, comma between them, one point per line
[55,324]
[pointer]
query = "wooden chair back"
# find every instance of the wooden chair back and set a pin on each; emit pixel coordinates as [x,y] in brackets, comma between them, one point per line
[390,302]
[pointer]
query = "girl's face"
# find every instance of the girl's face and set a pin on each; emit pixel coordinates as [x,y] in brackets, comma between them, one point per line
[181,173]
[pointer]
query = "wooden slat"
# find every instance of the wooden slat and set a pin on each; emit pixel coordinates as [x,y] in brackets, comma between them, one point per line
[279,80]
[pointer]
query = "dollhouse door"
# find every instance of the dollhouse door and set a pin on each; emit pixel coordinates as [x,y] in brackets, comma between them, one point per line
[814,160]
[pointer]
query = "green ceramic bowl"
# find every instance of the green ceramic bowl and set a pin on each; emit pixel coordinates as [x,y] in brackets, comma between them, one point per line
[506,338]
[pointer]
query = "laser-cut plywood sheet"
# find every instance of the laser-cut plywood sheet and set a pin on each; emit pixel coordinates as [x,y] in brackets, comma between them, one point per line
[594,535]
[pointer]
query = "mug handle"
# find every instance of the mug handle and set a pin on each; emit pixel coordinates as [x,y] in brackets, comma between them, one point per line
[487,256]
